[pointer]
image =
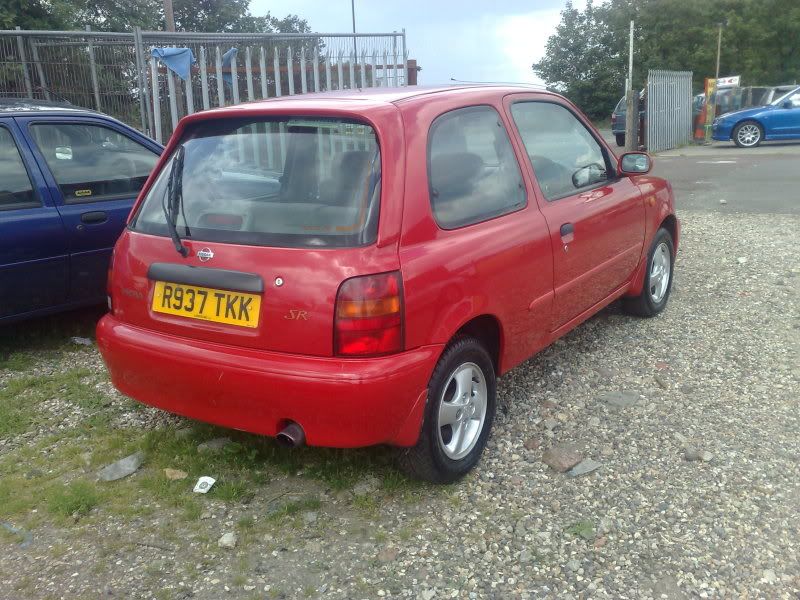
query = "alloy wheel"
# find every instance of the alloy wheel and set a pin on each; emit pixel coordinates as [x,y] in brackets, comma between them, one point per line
[660,272]
[462,411]
[748,134]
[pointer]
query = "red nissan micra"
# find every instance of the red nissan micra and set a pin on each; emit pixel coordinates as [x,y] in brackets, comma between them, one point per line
[357,268]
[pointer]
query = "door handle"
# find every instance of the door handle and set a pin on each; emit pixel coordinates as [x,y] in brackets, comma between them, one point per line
[95,217]
[567,235]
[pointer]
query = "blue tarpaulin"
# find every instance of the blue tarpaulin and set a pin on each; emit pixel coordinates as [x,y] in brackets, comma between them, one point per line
[178,60]
[226,62]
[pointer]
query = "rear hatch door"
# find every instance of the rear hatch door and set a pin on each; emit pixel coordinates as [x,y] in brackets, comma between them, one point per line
[273,215]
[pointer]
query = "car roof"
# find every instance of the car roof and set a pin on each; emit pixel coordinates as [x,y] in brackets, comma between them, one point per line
[10,106]
[372,97]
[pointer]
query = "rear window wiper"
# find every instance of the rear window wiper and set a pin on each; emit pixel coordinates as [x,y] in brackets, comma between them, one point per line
[173,199]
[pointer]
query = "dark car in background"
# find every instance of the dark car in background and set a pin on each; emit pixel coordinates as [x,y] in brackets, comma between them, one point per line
[68,179]
[618,117]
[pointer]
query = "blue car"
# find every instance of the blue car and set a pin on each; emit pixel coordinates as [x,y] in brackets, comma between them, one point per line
[68,179]
[778,120]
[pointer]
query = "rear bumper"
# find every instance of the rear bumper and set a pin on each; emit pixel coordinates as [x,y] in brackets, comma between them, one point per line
[338,402]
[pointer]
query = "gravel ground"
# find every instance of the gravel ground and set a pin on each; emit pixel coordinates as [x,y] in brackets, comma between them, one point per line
[693,417]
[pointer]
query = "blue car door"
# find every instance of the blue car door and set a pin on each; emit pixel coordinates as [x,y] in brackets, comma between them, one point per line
[34,262]
[97,168]
[783,121]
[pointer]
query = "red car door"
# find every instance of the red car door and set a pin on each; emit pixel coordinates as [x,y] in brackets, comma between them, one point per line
[596,218]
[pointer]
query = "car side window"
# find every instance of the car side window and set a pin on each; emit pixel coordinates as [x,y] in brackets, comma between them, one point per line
[473,174]
[92,162]
[565,157]
[16,190]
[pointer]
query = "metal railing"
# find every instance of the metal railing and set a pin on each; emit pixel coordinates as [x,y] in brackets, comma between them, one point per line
[669,109]
[115,72]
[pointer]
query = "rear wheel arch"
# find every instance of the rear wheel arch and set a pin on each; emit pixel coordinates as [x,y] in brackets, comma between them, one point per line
[488,331]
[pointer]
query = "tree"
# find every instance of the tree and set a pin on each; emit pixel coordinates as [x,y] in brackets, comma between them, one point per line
[124,15]
[586,58]
[34,14]
[578,61]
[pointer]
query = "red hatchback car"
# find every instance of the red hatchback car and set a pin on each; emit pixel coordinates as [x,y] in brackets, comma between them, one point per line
[357,268]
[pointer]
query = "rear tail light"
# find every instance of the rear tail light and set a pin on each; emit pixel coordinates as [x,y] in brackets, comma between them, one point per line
[369,315]
[613,118]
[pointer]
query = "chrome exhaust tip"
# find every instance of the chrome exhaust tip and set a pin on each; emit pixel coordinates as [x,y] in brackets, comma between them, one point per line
[291,436]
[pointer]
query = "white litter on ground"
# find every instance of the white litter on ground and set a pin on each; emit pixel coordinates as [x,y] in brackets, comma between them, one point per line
[204,484]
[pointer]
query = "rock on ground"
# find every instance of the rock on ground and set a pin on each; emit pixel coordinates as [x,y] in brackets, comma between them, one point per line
[122,468]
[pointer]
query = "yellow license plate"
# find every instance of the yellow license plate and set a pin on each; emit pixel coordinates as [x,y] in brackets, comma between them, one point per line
[207,304]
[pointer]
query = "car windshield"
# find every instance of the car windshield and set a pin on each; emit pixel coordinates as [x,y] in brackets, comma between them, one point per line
[289,182]
[786,96]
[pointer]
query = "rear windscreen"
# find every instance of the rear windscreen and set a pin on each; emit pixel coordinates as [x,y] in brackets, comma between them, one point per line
[289,182]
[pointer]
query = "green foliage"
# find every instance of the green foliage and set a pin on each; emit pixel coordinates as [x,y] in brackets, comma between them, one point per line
[34,14]
[16,361]
[586,59]
[583,529]
[76,498]
[21,396]
[123,15]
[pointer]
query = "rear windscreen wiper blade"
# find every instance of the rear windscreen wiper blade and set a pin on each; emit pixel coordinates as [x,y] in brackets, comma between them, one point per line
[173,200]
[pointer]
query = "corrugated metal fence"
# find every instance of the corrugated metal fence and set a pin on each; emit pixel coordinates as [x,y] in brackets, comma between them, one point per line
[669,109]
[116,74]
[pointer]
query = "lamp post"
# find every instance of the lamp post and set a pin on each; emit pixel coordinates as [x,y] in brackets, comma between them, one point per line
[711,99]
[169,15]
[353,14]
[631,103]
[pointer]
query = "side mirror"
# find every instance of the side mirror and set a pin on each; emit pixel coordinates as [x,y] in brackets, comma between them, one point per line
[788,104]
[635,163]
[588,175]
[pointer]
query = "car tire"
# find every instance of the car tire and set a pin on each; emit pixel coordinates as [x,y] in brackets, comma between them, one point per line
[655,291]
[457,421]
[620,139]
[748,134]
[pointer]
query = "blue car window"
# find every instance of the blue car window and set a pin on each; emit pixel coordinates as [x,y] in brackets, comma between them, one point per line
[92,162]
[16,190]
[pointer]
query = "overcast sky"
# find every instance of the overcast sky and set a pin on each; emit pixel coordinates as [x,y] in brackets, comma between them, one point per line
[489,40]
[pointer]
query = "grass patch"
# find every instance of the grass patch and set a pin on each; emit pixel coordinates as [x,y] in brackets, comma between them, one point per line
[33,475]
[75,498]
[11,537]
[292,508]
[583,529]
[16,361]
[368,504]
[20,398]
[232,491]
[192,510]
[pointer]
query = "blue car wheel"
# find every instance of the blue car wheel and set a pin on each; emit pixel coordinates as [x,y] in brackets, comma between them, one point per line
[748,134]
